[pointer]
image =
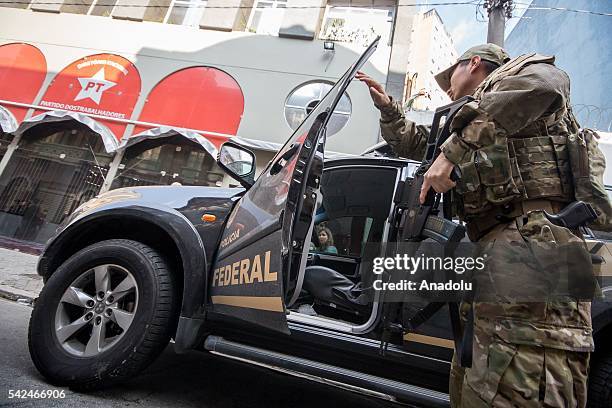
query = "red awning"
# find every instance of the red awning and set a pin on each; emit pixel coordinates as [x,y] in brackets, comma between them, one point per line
[23,69]
[200,99]
[103,84]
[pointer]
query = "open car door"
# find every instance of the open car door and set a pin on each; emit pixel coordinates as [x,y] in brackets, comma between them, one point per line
[262,254]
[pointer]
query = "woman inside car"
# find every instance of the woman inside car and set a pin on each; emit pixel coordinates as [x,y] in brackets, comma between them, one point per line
[326,241]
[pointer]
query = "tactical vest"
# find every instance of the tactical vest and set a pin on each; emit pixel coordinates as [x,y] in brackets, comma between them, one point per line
[530,164]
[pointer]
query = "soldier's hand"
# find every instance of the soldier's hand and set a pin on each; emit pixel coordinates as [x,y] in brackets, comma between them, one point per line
[377,92]
[437,177]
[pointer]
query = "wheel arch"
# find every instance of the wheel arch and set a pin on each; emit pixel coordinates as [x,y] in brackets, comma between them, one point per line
[602,330]
[169,233]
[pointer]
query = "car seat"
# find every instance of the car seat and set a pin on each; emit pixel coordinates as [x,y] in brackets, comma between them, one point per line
[330,288]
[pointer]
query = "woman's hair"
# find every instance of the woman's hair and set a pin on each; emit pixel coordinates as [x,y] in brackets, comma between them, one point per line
[330,237]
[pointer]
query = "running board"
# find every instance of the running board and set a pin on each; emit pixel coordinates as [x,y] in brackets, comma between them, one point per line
[328,374]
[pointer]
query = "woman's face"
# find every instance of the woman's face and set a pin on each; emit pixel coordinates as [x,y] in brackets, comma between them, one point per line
[323,237]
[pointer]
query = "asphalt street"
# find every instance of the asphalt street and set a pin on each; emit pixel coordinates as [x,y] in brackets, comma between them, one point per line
[189,380]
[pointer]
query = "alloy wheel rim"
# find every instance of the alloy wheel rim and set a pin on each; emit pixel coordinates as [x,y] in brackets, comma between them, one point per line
[96,310]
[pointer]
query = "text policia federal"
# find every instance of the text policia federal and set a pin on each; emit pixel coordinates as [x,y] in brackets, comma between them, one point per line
[405,264]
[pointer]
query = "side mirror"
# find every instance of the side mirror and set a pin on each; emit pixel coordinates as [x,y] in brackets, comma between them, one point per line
[238,162]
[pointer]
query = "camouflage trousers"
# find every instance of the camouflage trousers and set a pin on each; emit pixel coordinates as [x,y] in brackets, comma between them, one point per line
[521,376]
[547,366]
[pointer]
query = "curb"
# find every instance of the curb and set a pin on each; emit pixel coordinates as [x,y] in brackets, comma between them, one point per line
[17,297]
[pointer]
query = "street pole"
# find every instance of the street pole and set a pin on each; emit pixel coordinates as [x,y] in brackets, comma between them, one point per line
[498,10]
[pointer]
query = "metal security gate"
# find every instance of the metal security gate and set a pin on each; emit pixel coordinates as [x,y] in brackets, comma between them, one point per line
[174,161]
[48,177]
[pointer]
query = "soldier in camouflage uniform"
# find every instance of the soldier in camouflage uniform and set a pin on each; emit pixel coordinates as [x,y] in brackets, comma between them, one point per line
[510,146]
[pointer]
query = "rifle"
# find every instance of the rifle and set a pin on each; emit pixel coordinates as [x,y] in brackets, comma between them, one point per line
[420,221]
[416,222]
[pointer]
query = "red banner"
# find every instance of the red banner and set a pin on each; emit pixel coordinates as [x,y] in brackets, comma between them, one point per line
[102,84]
[23,69]
[199,98]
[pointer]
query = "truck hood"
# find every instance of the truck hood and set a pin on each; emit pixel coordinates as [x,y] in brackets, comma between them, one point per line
[183,199]
[170,196]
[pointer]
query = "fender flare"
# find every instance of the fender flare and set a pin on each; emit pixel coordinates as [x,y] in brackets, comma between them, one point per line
[601,316]
[176,225]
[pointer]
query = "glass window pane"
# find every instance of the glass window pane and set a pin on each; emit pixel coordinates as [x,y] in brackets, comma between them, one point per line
[194,13]
[255,21]
[295,116]
[103,8]
[76,7]
[354,215]
[267,17]
[304,94]
[336,123]
[344,105]
[303,99]
[177,14]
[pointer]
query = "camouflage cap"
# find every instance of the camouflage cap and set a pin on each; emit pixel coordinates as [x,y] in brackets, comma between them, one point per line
[489,52]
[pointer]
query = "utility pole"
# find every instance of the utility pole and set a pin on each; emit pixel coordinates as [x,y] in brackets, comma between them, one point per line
[498,11]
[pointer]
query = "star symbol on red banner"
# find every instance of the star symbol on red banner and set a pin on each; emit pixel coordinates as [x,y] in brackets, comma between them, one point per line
[94,87]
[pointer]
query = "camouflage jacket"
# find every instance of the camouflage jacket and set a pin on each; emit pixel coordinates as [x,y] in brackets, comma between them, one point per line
[525,98]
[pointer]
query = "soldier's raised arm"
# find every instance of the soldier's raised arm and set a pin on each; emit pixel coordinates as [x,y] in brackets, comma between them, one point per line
[406,138]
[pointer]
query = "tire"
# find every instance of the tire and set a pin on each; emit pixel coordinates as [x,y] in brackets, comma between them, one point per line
[113,341]
[600,382]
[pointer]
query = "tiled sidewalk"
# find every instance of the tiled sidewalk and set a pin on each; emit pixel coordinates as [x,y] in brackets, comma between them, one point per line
[18,278]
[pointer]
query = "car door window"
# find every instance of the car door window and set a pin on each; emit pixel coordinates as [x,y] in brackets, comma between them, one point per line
[344,236]
[355,207]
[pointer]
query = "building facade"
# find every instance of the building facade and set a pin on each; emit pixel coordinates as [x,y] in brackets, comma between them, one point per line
[580,41]
[102,94]
[432,51]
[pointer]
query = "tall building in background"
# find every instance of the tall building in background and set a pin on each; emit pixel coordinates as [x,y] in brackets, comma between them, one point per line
[431,51]
[580,42]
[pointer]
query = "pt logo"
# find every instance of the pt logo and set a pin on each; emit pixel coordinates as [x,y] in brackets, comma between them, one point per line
[94,87]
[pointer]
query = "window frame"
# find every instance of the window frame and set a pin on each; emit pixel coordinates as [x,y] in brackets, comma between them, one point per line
[358,10]
[401,172]
[173,3]
[274,5]
[94,3]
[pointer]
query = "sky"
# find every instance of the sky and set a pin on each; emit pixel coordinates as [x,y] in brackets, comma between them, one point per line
[464,25]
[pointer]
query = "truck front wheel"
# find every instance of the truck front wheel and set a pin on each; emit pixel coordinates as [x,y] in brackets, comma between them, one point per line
[104,315]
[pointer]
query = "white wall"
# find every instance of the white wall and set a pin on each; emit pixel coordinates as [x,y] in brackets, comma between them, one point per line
[605,144]
[267,68]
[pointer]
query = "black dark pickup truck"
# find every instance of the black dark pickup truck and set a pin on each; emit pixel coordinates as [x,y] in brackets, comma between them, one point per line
[233,272]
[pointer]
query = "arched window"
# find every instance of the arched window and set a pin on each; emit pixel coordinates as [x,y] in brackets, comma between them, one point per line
[304,98]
